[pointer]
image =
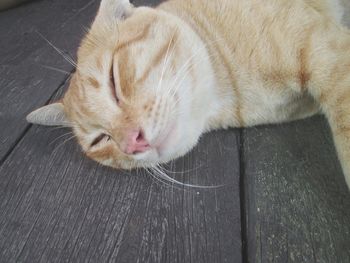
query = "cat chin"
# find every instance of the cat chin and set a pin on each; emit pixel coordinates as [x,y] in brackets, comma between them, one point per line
[156,156]
[179,145]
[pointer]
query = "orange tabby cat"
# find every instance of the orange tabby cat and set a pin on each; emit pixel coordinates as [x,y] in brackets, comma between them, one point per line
[149,81]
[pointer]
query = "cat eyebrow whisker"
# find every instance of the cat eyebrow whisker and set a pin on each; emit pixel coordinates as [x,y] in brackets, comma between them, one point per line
[164,67]
[65,56]
[184,69]
[187,64]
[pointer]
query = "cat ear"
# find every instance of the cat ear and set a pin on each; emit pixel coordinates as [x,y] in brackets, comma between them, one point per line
[49,115]
[117,9]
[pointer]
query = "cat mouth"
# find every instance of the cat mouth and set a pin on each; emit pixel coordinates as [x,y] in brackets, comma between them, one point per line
[159,150]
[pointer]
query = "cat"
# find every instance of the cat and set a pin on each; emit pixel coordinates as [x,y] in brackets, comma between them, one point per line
[150,81]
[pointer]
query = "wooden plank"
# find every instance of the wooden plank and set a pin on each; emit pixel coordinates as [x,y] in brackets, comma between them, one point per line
[62,207]
[58,206]
[26,82]
[151,3]
[296,200]
[5,4]
[346,5]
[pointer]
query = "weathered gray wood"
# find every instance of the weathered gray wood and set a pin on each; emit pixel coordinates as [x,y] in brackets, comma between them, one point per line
[297,206]
[26,82]
[146,2]
[4,4]
[346,18]
[58,206]
[296,200]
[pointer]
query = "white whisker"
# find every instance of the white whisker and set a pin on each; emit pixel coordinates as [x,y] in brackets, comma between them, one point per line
[65,56]
[165,63]
[64,142]
[185,70]
[158,180]
[59,127]
[169,179]
[56,69]
[182,172]
[59,137]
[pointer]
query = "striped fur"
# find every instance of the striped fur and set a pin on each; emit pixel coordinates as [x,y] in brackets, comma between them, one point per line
[190,66]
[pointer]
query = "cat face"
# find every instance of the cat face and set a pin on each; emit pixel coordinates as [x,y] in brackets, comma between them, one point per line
[132,100]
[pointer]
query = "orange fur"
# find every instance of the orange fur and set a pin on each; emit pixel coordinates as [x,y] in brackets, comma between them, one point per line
[197,65]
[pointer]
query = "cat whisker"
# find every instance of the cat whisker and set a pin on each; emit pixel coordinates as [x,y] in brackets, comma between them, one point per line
[182,172]
[156,179]
[91,38]
[59,127]
[153,177]
[186,68]
[184,71]
[165,63]
[172,180]
[158,169]
[185,64]
[56,69]
[59,137]
[64,142]
[65,56]
[174,88]
[157,174]
[85,29]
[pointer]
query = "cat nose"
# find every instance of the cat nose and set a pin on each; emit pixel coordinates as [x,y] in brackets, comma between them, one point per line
[136,142]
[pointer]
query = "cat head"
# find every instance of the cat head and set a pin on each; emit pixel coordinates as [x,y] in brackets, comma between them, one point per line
[138,96]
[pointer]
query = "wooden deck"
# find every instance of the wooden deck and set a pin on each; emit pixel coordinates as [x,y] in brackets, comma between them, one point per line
[284,197]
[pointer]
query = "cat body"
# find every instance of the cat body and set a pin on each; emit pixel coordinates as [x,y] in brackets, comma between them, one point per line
[149,82]
[257,67]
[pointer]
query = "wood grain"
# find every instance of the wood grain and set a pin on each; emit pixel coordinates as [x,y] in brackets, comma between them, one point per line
[296,203]
[296,199]
[58,206]
[27,80]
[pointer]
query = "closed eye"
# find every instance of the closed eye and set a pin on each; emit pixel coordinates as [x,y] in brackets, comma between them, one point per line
[99,138]
[112,85]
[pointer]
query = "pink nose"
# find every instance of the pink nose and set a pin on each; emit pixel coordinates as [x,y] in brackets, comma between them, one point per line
[136,142]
